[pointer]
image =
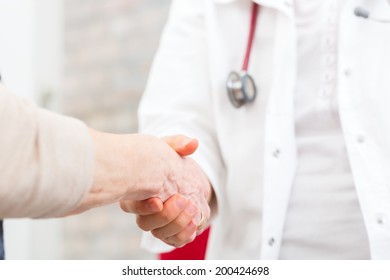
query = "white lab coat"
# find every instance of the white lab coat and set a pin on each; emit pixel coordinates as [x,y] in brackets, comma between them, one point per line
[203,41]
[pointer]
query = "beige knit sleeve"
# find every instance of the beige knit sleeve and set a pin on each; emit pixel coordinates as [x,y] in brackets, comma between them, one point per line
[46,160]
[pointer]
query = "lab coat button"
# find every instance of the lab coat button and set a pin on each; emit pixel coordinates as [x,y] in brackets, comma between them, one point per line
[328,59]
[328,41]
[271,242]
[347,72]
[276,153]
[361,139]
[327,77]
[381,219]
[325,92]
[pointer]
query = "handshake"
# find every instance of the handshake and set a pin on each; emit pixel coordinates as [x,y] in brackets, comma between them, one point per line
[154,179]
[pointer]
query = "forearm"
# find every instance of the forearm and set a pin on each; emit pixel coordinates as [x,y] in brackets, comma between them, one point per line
[46,160]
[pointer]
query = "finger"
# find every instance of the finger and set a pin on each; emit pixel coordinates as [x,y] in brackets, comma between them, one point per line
[173,207]
[178,224]
[183,145]
[182,238]
[145,207]
[201,219]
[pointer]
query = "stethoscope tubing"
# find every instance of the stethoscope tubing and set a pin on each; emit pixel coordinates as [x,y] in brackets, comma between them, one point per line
[252,30]
[238,82]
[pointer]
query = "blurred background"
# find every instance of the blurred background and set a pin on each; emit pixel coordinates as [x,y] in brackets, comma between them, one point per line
[88,59]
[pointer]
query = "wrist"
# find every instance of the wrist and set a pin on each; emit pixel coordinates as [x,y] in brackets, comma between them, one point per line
[105,188]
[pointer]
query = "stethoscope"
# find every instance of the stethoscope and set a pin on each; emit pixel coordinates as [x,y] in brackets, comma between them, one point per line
[241,87]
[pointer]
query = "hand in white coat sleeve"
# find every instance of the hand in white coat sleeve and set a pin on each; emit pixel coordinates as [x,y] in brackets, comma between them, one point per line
[46,161]
[184,106]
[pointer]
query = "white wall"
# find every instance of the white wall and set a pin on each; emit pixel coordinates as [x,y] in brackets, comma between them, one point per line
[49,49]
[16,45]
[30,63]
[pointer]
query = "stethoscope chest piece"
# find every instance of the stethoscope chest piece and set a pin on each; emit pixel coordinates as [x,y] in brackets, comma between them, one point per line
[241,88]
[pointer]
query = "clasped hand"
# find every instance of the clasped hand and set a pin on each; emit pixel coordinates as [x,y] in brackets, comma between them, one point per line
[179,210]
[152,178]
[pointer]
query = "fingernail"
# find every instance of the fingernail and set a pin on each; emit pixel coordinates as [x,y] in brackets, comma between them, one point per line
[185,141]
[180,202]
[153,207]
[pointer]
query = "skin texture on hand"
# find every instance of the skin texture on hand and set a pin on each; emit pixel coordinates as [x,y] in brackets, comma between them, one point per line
[176,221]
[136,167]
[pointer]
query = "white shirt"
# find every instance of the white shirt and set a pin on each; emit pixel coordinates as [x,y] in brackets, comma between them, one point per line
[324,219]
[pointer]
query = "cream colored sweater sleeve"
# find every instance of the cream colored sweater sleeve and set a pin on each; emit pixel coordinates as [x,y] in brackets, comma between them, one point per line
[46,160]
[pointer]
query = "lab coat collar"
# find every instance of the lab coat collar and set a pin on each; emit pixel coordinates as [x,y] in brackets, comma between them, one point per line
[261,2]
[284,5]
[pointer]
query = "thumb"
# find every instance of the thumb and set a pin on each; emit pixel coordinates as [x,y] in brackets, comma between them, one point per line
[182,144]
[145,207]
